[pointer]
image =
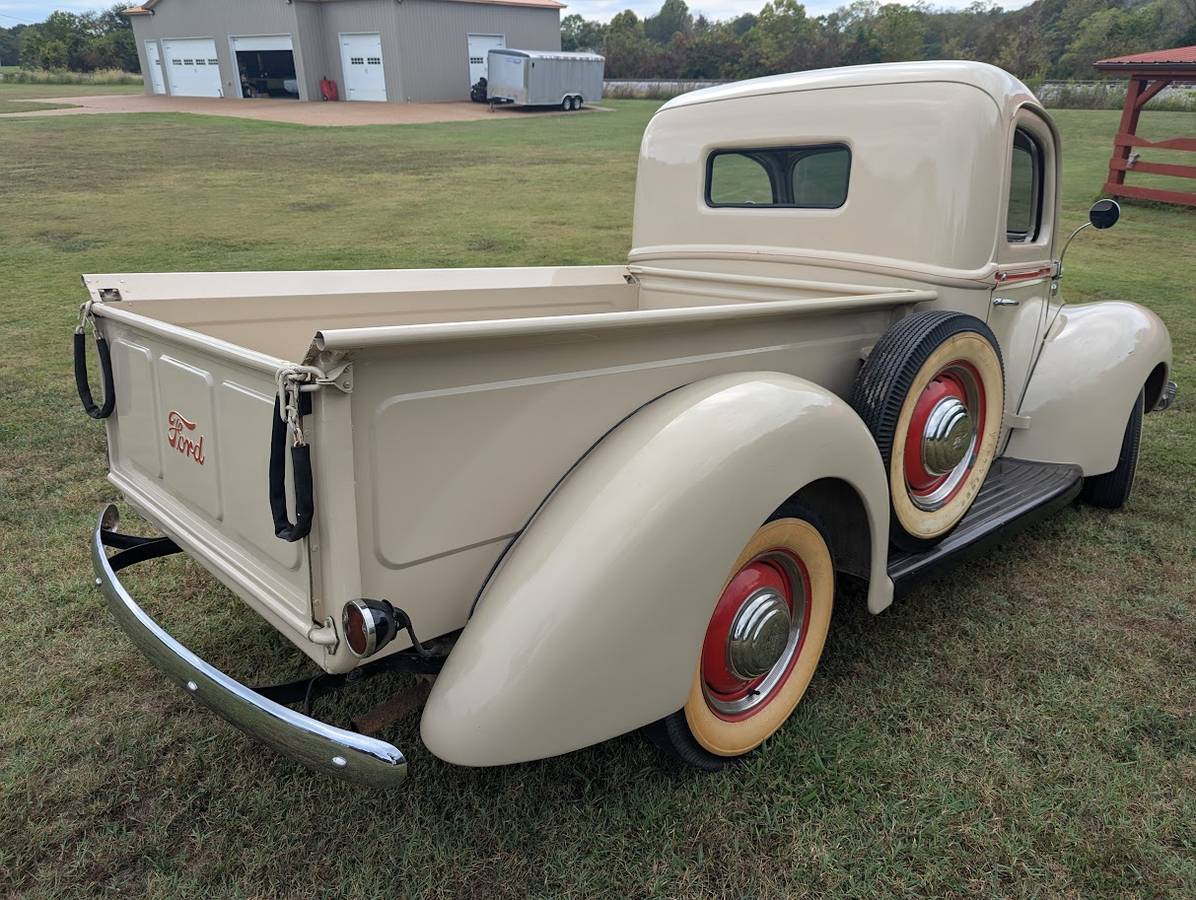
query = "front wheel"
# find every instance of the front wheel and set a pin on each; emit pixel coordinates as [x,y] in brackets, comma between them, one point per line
[762,645]
[1112,489]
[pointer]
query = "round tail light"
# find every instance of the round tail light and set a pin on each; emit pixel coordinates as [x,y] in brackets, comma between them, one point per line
[369,626]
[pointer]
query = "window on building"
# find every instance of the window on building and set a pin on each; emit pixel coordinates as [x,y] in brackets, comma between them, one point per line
[779,177]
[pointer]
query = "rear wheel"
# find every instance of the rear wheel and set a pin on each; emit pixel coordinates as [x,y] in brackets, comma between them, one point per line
[1112,489]
[762,644]
[567,104]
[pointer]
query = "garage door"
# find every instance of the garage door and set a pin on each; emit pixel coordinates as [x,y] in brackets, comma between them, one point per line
[265,65]
[479,46]
[154,58]
[361,63]
[193,68]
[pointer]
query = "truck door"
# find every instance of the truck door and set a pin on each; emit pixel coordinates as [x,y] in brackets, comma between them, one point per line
[1019,302]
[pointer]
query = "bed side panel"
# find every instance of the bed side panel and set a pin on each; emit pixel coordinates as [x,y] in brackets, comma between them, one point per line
[463,440]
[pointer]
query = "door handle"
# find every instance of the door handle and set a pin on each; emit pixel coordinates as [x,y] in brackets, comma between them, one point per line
[1006,301]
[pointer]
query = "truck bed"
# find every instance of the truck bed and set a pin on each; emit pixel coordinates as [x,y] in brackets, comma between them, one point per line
[466,384]
[278,314]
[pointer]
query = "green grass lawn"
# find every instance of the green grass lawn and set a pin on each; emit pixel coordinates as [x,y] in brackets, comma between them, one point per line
[1023,726]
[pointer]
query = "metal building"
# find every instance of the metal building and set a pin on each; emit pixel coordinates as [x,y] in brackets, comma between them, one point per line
[397,50]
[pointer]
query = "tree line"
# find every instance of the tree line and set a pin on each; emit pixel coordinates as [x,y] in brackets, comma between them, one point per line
[81,42]
[1048,39]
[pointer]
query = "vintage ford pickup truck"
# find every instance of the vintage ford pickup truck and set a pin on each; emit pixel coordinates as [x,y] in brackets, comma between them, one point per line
[596,499]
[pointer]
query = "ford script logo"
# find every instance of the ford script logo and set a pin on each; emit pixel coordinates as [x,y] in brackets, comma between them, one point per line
[180,435]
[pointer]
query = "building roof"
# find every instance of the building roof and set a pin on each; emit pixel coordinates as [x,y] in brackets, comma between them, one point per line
[146,8]
[1005,90]
[1182,58]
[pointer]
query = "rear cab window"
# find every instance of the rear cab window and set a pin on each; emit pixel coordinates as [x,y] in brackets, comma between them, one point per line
[779,177]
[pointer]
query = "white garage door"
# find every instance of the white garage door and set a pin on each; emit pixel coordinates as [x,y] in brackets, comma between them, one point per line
[262,42]
[479,46]
[361,63]
[192,68]
[154,58]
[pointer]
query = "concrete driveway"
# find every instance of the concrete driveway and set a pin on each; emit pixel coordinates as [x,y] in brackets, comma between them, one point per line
[293,111]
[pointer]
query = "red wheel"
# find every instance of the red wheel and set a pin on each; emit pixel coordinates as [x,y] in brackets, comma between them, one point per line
[932,393]
[762,644]
[755,634]
[944,433]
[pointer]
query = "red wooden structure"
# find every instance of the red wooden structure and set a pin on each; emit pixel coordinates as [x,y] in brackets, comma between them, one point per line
[1148,73]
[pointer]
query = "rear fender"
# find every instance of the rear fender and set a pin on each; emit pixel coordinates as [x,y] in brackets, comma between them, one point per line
[1096,358]
[592,625]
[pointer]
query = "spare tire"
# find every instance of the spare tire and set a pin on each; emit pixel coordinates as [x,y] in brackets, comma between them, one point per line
[932,392]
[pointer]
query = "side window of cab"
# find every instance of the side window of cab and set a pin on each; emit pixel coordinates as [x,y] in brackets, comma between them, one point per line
[1023,220]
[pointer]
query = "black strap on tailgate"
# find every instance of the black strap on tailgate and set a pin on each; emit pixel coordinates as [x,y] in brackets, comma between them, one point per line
[284,528]
[96,411]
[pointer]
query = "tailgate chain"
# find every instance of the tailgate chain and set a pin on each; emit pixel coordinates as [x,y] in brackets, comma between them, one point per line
[93,409]
[291,403]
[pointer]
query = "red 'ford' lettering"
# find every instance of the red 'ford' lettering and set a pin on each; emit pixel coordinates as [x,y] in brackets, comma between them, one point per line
[177,435]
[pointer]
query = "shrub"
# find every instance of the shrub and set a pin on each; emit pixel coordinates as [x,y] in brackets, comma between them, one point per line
[62,76]
[651,90]
[1110,95]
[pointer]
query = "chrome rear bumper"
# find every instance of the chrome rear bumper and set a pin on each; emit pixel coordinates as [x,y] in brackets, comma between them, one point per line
[334,751]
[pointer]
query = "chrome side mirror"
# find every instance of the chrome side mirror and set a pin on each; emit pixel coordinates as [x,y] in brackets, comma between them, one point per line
[1104,214]
[1101,215]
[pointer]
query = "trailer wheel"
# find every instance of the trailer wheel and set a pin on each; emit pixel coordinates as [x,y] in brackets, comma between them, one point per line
[567,104]
[932,392]
[762,644]
[1112,489]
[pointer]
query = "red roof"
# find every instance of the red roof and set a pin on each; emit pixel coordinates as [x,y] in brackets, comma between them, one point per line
[1176,58]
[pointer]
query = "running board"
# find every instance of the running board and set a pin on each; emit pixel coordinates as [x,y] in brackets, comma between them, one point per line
[1015,495]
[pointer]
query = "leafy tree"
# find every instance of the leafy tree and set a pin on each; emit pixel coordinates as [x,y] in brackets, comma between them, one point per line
[80,41]
[10,45]
[580,34]
[1049,38]
[673,18]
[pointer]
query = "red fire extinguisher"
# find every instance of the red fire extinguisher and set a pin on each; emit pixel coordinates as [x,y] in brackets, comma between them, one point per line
[328,89]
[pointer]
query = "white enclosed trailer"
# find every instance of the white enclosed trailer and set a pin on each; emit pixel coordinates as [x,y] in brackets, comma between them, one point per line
[544,78]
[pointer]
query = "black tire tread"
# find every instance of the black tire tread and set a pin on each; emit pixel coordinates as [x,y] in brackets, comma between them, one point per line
[886,376]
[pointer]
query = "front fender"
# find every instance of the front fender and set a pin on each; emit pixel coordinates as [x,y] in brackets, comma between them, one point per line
[1095,360]
[592,625]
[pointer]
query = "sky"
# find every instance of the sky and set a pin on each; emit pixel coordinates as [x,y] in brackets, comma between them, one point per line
[14,11]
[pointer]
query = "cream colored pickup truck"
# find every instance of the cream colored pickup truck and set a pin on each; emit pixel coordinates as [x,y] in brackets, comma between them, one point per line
[603,498]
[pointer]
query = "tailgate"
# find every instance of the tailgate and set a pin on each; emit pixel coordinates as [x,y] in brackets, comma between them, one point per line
[189,446]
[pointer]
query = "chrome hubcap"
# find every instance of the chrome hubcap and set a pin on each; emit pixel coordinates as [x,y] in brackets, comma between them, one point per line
[758,634]
[947,436]
[755,634]
[944,435]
